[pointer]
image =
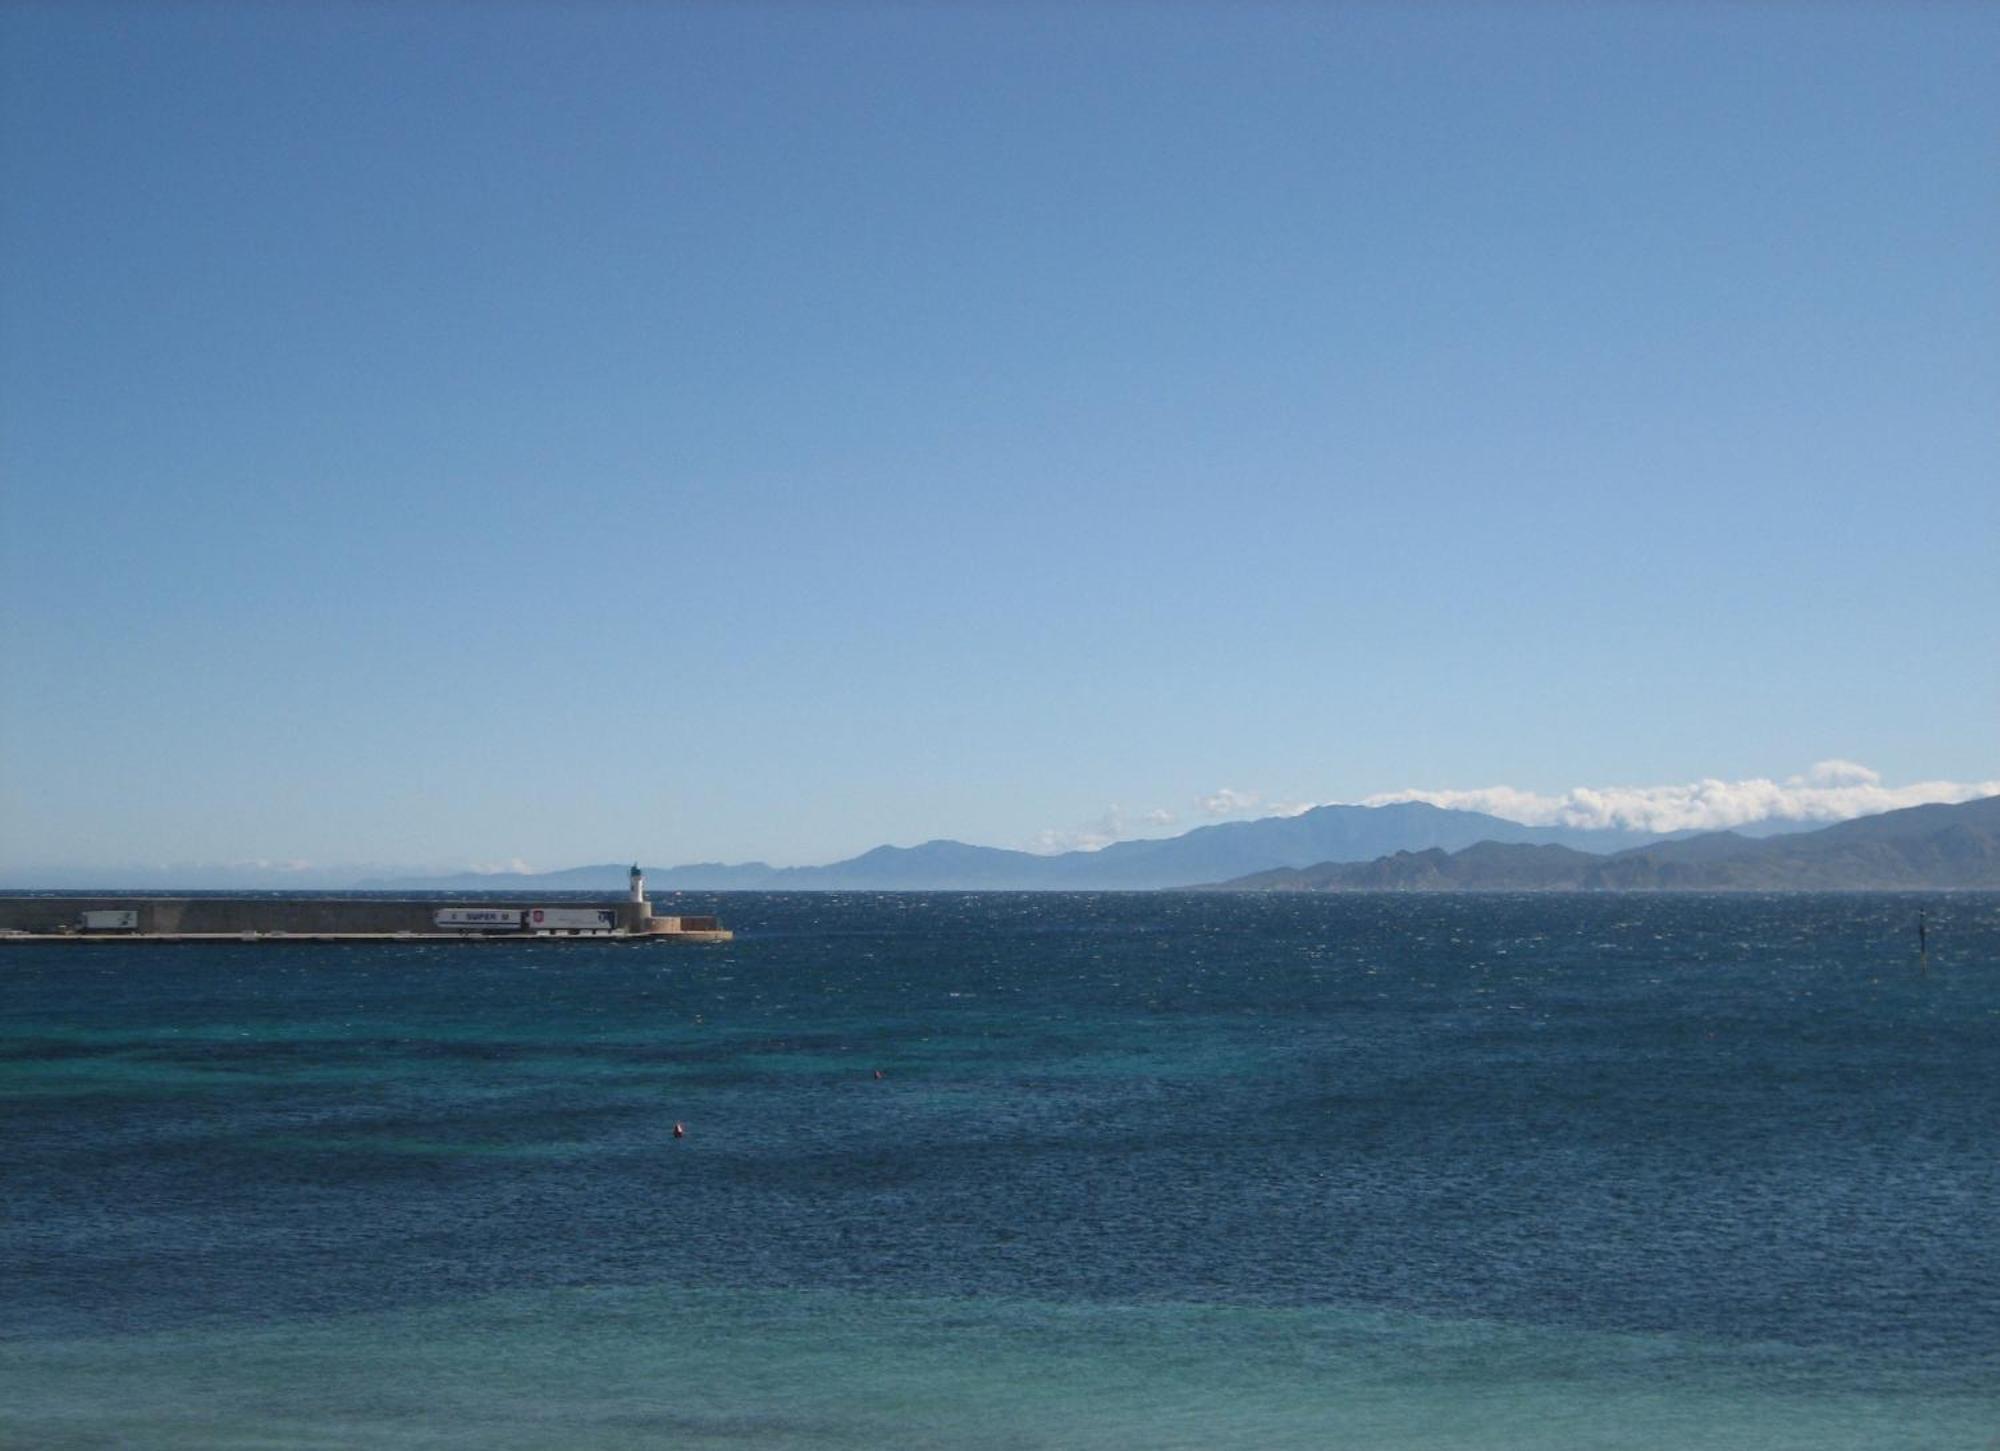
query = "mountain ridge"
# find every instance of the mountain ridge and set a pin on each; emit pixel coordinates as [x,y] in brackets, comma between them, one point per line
[1918,847]
[1203,855]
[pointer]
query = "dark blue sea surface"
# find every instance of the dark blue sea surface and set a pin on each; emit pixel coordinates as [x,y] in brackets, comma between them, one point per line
[1175,1169]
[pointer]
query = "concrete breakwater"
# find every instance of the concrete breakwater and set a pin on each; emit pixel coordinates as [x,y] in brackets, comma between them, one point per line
[180,919]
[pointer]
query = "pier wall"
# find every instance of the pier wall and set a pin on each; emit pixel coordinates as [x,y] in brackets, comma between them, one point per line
[172,915]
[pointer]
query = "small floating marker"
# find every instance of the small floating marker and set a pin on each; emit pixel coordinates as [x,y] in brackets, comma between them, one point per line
[1923,944]
[878,1073]
[680,1129]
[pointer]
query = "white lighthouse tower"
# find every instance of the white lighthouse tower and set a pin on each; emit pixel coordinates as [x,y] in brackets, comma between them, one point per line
[637,913]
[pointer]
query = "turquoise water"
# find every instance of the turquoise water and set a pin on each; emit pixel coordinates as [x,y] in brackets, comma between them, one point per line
[1368,1172]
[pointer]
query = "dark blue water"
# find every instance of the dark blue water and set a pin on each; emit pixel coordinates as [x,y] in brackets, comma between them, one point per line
[1516,1135]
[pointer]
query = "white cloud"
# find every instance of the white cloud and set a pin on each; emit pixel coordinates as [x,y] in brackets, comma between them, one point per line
[1116,824]
[1228,802]
[1829,791]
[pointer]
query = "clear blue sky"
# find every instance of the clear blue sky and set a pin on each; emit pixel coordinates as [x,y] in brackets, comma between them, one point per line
[456,433]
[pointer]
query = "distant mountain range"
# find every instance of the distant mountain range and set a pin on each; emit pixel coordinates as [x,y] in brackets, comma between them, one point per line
[1922,846]
[1206,854]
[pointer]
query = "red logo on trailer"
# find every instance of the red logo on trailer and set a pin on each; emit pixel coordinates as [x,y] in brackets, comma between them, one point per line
[538,914]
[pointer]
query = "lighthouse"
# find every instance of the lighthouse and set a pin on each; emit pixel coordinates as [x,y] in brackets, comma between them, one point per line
[637,913]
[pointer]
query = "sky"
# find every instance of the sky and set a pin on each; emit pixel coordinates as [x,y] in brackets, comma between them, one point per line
[470,434]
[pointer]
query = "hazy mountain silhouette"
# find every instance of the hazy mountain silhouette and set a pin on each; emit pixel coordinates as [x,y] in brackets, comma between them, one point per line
[1918,847]
[1205,854]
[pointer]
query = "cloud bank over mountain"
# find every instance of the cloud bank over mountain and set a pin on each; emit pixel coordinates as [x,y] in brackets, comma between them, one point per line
[1829,791]
[1227,803]
[1116,824]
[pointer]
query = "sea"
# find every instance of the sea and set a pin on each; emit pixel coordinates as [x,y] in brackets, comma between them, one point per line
[1381,1172]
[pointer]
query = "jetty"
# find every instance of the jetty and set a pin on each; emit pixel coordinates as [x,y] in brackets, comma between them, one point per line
[220,919]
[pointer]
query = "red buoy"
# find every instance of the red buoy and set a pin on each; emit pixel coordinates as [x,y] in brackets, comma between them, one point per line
[680,1130]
